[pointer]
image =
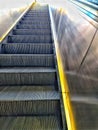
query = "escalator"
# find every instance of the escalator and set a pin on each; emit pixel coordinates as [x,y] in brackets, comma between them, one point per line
[30,94]
[88,7]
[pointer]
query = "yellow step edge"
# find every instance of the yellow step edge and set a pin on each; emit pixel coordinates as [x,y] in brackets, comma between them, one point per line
[71,123]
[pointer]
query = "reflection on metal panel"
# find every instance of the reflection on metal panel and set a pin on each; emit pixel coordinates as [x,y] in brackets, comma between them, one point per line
[81,85]
[74,38]
[84,97]
[78,45]
[90,65]
[86,115]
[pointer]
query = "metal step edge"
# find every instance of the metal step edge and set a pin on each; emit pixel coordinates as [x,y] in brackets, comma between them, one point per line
[28,96]
[32,55]
[27,70]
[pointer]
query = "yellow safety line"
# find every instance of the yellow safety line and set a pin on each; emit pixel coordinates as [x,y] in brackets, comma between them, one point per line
[3,37]
[88,8]
[71,124]
[65,92]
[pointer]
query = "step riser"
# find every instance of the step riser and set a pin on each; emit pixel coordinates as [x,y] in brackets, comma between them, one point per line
[26,61]
[21,108]
[27,78]
[38,9]
[34,22]
[34,26]
[37,12]
[37,18]
[35,15]
[27,48]
[30,39]
[31,123]
[31,32]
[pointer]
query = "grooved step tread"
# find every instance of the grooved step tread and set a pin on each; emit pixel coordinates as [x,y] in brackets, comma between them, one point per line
[34,26]
[29,97]
[26,93]
[30,38]
[23,22]
[12,55]
[29,48]
[30,123]
[37,18]
[26,60]
[32,22]
[35,88]
[27,70]
[32,31]
[36,15]
[27,76]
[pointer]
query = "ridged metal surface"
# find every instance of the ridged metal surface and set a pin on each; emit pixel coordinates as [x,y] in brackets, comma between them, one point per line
[19,60]
[38,11]
[27,76]
[33,22]
[35,88]
[32,31]
[16,93]
[30,39]
[29,107]
[36,15]
[35,26]
[35,18]
[39,48]
[29,97]
[30,123]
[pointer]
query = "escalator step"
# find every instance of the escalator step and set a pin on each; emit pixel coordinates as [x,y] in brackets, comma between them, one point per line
[39,48]
[36,15]
[30,39]
[32,26]
[29,91]
[23,60]
[33,22]
[26,101]
[30,123]
[38,11]
[36,18]
[23,93]
[29,107]
[32,31]
[27,76]
[36,88]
